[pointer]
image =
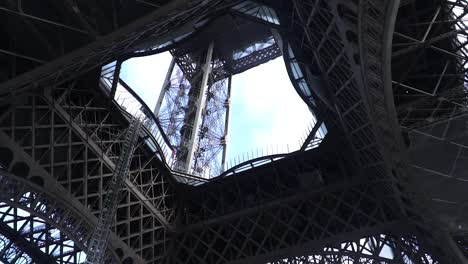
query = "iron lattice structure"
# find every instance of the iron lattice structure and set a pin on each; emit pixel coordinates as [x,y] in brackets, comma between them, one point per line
[386,185]
[174,117]
[98,243]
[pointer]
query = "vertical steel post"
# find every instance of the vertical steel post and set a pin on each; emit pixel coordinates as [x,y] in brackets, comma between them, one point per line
[163,91]
[226,125]
[199,105]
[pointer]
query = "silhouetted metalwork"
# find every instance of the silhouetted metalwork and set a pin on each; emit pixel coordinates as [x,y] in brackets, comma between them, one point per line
[98,243]
[386,80]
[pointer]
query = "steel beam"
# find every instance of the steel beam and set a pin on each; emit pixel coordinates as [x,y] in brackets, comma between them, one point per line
[106,48]
[199,105]
[61,25]
[226,125]
[162,92]
[21,242]
[102,155]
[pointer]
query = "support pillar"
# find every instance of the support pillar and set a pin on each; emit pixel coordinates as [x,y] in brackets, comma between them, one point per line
[200,102]
[163,91]
[226,125]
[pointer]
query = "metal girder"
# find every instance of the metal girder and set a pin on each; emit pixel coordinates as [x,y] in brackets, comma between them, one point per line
[50,50]
[263,218]
[22,199]
[97,244]
[60,27]
[289,226]
[158,23]
[383,248]
[72,8]
[255,59]
[105,156]
[275,210]
[153,197]
[17,238]
[34,190]
[62,143]
[231,67]
[193,113]
[359,76]
[431,98]
[256,186]
[312,135]
[47,21]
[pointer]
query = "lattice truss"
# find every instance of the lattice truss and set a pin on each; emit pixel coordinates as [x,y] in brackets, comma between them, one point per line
[322,32]
[176,110]
[336,45]
[284,207]
[11,253]
[431,97]
[294,223]
[97,245]
[155,25]
[171,115]
[254,47]
[373,249]
[434,47]
[68,134]
[58,28]
[428,60]
[74,139]
[212,141]
[36,232]
[38,225]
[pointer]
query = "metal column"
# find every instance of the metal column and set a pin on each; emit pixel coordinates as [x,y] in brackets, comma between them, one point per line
[226,125]
[163,91]
[199,105]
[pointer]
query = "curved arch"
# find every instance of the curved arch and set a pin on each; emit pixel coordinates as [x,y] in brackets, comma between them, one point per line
[390,120]
[65,211]
[10,252]
[27,247]
[22,194]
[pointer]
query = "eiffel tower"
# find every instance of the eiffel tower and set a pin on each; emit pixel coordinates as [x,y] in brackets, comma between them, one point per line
[387,183]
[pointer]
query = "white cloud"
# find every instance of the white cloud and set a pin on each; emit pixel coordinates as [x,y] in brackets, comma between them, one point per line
[145,75]
[268,107]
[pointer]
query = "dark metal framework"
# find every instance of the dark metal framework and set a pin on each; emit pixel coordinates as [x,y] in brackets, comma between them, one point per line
[387,183]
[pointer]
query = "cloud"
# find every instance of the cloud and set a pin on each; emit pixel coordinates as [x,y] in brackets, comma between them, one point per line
[266,110]
[145,75]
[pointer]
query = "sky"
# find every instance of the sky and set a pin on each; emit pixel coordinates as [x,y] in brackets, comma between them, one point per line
[145,75]
[266,111]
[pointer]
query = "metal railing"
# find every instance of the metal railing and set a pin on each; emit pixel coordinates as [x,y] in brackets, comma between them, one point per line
[313,136]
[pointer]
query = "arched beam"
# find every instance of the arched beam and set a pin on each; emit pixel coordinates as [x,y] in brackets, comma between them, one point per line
[77,222]
[20,193]
[26,246]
